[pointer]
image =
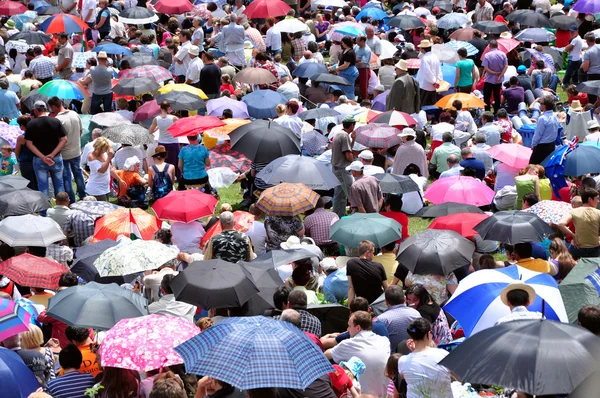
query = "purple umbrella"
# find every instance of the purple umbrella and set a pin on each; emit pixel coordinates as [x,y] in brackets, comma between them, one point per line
[587,7]
[216,107]
[10,133]
[378,103]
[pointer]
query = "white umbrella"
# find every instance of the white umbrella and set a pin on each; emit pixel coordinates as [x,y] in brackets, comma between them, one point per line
[291,25]
[132,256]
[388,49]
[330,3]
[29,230]
[445,54]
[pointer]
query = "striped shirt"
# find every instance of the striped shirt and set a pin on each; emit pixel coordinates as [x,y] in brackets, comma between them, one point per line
[71,385]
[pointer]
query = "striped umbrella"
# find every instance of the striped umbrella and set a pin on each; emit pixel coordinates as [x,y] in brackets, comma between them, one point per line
[31,307]
[457,44]
[13,319]
[287,199]
[393,118]
[378,135]
[62,89]
[63,23]
[155,72]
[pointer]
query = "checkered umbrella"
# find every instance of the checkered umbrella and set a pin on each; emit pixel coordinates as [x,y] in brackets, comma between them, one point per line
[155,72]
[378,135]
[96,209]
[33,271]
[14,319]
[287,199]
[135,86]
[255,352]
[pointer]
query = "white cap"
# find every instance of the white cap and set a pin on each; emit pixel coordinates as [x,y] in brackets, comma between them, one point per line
[366,155]
[408,132]
[592,124]
[355,166]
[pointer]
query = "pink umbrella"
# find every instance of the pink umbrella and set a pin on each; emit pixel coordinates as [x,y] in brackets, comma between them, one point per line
[146,343]
[378,135]
[10,133]
[459,189]
[146,111]
[504,45]
[513,155]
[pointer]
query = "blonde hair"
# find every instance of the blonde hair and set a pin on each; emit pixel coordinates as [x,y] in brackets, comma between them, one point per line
[101,144]
[225,207]
[122,103]
[33,338]
[280,109]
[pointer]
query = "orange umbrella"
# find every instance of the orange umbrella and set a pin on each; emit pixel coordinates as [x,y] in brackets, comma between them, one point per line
[242,222]
[223,131]
[133,223]
[468,101]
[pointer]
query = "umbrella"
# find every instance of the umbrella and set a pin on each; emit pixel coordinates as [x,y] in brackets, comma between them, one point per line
[467,190]
[133,256]
[185,206]
[194,125]
[587,7]
[107,119]
[30,230]
[214,284]
[140,59]
[350,231]
[223,156]
[261,352]
[263,141]
[447,208]
[551,56]
[255,76]
[520,355]
[112,48]
[47,11]
[261,103]
[308,69]
[379,102]
[10,182]
[63,23]
[463,34]
[14,319]
[275,258]
[579,288]
[62,89]
[147,111]
[446,54]
[352,29]
[173,7]
[215,107]
[513,155]
[10,134]
[299,169]
[536,35]
[130,134]
[291,25]
[529,18]
[378,135]
[452,21]
[266,9]
[12,8]
[504,45]
[488,27]
[242,222]
[457,44]
[333,317]
[155,72]
[22,202]
[514,227]
[329,78]
[287,199]
[550,211]
[442,5]
[222,132]
[396,184]
[96,306]
[267,280]
[583,160]
[388,50]
[563,22]
[462,223]
[121,346]
[94,208]
[18,381]
[127,222]
[167,88]
[84,262]
[137,16]
[32,308]
[182,101]
[135,86]
[394,118]
[435,252]
[33,271]
[21,19]
[31,38]
[468,101]
[405,22]
[589,87]
[376,14]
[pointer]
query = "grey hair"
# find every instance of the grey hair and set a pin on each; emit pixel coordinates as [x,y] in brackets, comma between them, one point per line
[97,133]
[198,19]
[342,99]
[480,138]
[291,316]
[90,198]
[226,219]
[410,46]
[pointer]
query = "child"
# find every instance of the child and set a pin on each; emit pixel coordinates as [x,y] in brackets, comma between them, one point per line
[226,80]
[345,378]
[8,161]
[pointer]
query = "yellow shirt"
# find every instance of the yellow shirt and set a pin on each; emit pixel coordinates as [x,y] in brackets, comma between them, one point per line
[535,264]
[388,260]
[587,226]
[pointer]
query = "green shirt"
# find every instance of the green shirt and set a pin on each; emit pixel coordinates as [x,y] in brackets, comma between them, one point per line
[465,66]
[441,153]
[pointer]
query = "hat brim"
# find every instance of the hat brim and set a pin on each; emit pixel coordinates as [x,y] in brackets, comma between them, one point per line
[159,153]
[517,286]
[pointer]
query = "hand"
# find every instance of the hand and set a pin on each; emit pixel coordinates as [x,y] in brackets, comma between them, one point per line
[575,242]
[436,85]
[110,153]
[137,288]
[48,160]
[498,79]
[53,343]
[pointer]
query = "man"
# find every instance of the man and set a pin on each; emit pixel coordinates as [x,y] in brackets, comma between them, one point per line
[518,296]
[441,153]
[317,225]
[373,41]
[341,157]
[181,61]
[430,74]
[469,160]
[198,35]
[101,76]
[289,89]
[365,278]
[523,78]
[294,317]
[72,383]
[523,254]
[513,95]
[210,76]
[234,36]
[454,167]
[480,152]
[589,318]
[410,153]
[591,61]
[167,305]
[593,128]
[80,225]
[192,76]
[273,39]
[586,220]
[61,211]
[494,65]
[365,192]
[483,11]
[290,120]
[46,137]
[363,59]
[529,199]
[404,94]
[309,323]
[574,49]
[253,35]
[81,338]
[398,315]
[226,68]
[366,157]
[546,131]
[372,349]
[65,57]
[34,359]
[41,66]
[87,10]
[71,153]
[230,245]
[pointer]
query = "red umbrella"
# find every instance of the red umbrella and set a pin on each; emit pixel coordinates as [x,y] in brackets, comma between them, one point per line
[11,8]
[146,111]
[173,7]
[242,222]
[414,63]
[194,125]
[462,223]
[394,118]
[266,9]
[504,45]
[185,206]
[223,156]
[33,271]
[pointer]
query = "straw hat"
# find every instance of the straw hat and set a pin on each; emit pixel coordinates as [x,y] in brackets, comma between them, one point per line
[517,285]
[576,106]
[159,150]
[506,35]
[425,44]
[402,65]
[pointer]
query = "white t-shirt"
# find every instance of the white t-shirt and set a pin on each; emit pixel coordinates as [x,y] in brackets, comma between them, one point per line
[86,7]
[258,236]
[575,54]
[98,183]
[126,114]
[187,236]
[424,377]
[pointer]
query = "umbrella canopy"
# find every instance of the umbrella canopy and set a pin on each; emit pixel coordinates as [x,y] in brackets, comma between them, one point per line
[215,107]
[31,37]
[11,182]
[514,227]
[447,208]
[222,132]
[30,230]
[194,125]
[242,222]
[308,69]
[135,86]
[147,111]
[393,118]
[261,103]
[10,134]
[32,308]
[121,346]
[287,199]
[275,258]
[378,135]
[521,354]
[261,352]
[456,44]
[396,184]
[352,29]
[182,101]
[14,319]
[589,87]
[112,48]
[445,53]
[18,380]
[107,119]
[330,79]
[579,289]
[223,156]
[185,206]
[173,7]
[12,8]
[452,21]
[388,50]
[376,14]
[583,160]
[63,89]
[291,25]
[214,284]
[467,190]
[95,208]
[154,72]
[488,27]
[587,7]
[536,35]
[255,76]
[317,113]
[96,306]
[84,262]
[513,155]
[350,231]
[266,9]
[476,303]
[465,34]
[299,169]
[468,101]
[137,16]
[563,22]
[443,5]
[434,252]
[267,280]
[22,202]
[63,23]
[405,22]
[263,141]
[131,134]
[33,271]
[462,223]
[127,222]
[504,45]
[133,256]
[529,18]
[550,211]
[140,59]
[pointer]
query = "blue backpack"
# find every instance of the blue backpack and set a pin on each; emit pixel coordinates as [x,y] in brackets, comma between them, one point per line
[161,183]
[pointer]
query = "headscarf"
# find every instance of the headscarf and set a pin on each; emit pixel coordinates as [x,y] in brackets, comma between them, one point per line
[165,36]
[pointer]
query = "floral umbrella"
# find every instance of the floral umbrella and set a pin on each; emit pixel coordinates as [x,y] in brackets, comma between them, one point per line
[130,257]
[551,211]
[10,133]
[223,156]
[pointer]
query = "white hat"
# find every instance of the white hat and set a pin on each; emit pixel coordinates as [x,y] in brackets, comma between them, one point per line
[379,88]
[194,50]
[131,162]
[506,35]
[408,132]
[355,166]
[593,124]
[517,285]
[290,243]
[366,155]
[328,264]
[402,65]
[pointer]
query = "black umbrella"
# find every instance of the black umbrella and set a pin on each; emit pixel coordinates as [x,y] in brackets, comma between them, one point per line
[141,59]
[513,227]
[442,5]
[264,141]
[406,22]
[333,317]
[538,357]
[137,16]
[275,258]
[22,201]
[529,18]
[267,280]
[32,37]
[330,79]
[396,184]
[589,87]
[13,182]
[317,113]
[182,100]
[563,22]
[437,252]
[214,284]
[136,86]
[446,209]
[84,263]
[491,27]
[32,98]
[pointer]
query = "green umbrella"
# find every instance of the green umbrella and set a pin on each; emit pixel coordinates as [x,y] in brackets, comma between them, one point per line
[578,291]
[381,230]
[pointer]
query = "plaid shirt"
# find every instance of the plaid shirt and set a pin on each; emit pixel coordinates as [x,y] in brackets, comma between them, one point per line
[520,313]
[60,253]
[81,224]
[42,67]
[299,47]
[308,323]
[318,224]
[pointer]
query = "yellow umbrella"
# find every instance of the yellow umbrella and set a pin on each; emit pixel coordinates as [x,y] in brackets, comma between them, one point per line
[167,88]
[468,101]
[223,131]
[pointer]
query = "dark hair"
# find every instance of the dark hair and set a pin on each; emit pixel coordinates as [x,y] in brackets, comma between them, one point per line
[421,293]
[531,198]
[502,113]
[165,106]
[227,114]
[513,80]
[164,236]
[37,251]
[165,284]
[301,275]
[186,33]
[462,52]
[548,102]
[362,319]
[68,279]
[167,385]
[517,297]
[77,335]
[209,56]
[589,318]
[587,183]
[486,261]
[395,203]
[119,383]
[391,367]
[457,104]
[523,250]
[412,169]
[70,357]
[280,297]
[55,101]
[445,117]
[394,295]
[297,300]
[359,304]
[346,40]
[588,194]
[419,328]
[493,43]
[6,251]
[487,117]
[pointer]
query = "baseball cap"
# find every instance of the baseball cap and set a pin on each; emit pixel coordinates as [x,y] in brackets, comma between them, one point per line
[355,166]
[349,119]
[573,28]
[40,105]
[366,155]
[521,69]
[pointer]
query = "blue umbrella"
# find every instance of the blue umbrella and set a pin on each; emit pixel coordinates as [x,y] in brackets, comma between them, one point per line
[583,160]
[449,73]
[535,35]
[555,166]
[17,380]
[452,21]
[351,230]
[255,352]
[373,3]
[262,103]
[30,307]
[21,19]
[111,48]
[375,14]
[349,30]
[456,44]
[308,69]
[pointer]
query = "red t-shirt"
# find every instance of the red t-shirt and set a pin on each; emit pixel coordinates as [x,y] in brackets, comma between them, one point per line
[402,219]
[563,38]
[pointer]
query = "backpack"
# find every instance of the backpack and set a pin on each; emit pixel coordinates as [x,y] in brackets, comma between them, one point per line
[161,183]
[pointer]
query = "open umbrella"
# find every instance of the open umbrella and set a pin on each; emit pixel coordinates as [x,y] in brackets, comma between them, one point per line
[489,27]
[536,35]
[185,206]
[242,221]
[457,44]
[10,182]
[352,29]
[299,169]
[23,201]
[31,38]
[405,22]
[396,184]
[95,208]
[587,7]
[255,76]
[465,34]
[140,59]
[96,306]
[18,380]
[580,287]
[137,16]
[447,208]
[60,23]
[12,8]
[514,227]
[182,101]
[445,53]
[467,190]
[33,271]
[435,252]
[30,230]
[393,118]
[63,89]
[378,135]
[194,125]
[350,231]
[462,223]
[563,22]
[275,258]
[133,256]
[14,319]
[330,79]
[214,284]
[452,21]
[215,107]
[260,352]
[264,141]
[308,69]
[443,5]
[504,45]
[223,156]
[290,25]
[468,101]
[287,199]
[154,72]
[261,103]
[550,211]
[589,87]
[513,155]
[85,256]
[147,111]
[583,160]
[222,132]
[112,48]
[266,9]
[529,18]
[173,7]
[10,133]
[127,222]
[130,134]
[376,14]
[135,86]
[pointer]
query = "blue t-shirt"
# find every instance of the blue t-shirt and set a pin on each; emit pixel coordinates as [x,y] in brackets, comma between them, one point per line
[193,157]
[8,104]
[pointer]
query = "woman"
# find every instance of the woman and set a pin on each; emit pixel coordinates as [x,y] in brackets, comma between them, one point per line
[280,228]
[532,179]
[99,159]
[123,68]
[161,123]
[103,19]
[412,202]
[287,50]
[135,184]
[561,258]
[322,28]
[418,297]
[466,73]
[424,377]
[161,176]
[24,154]
[346,67]
[33,339]
[264,61]
[193,162]
[120,383]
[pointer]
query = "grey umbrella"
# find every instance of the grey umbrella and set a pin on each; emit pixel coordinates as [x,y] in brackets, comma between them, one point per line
[140,59]
[30,230]
[136,86]
[330,79]
[514,227]
[131,134]
[182,100]
[318,113]
[33,97]
[23,201]
[396,184]
[13,182]
[299,169]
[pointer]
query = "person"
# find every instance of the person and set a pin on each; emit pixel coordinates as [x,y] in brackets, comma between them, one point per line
[410,152]
[529,199]
[45,138]
[346,67]
[418,297]
[81,337]
[101,170]
[301,276]
[210,76]
[491,131]
[167,305]
[441,154]
[363,59]
[135,184]
[430,74]
[273,38]
[523,254]
[73,383]
[561,258]
[41,66]
[290,120]
[101,78]
[181,58]
[233,36]
[398,315]
[513,96]
[119,383]
[420,369]
[546,131]
[589,317]
[192,76]
[593,128]
[467,73]
[33,339]
[366,278]
[484,11]
[524,78]
[494,65]
[454,167]
[161,175]
[574,50]
[372,349]
[393,209]
[591,61]
[297,300]
[469,160]
[162,123]
[193,162]
[341,158]
[318,224]
[586,222]
[518,296]
[257,232]
[8,161]
[65,57]
[365,192]
[404,95]
[167,385]
[61,211]
[230,245]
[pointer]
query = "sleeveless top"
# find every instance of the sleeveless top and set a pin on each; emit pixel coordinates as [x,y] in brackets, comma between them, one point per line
[163,123]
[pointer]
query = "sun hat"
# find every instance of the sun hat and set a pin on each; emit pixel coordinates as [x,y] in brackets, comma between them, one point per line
[194,50]
[408,132]
[131,162]
[355,166]
[576,106]
[159,150]
[592,124]
[506,35]
[290,242]
[10,24]
[354,365]
[425,44]
[402,65]
[517,285]
[102,55]
[366,155]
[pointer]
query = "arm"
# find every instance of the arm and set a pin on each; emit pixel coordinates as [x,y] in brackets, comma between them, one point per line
[502,72]
[475,75]
[172,172]
[586,63]
[395,281]
[350,290]
[34,149]
[150,176]
[562,225]
[328,355]
[456,77]
[61,144]
[84,81]
[153,126]
[180,164]
[208,250]
[569,48]
[20,142]
[65,64]
[106,163]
